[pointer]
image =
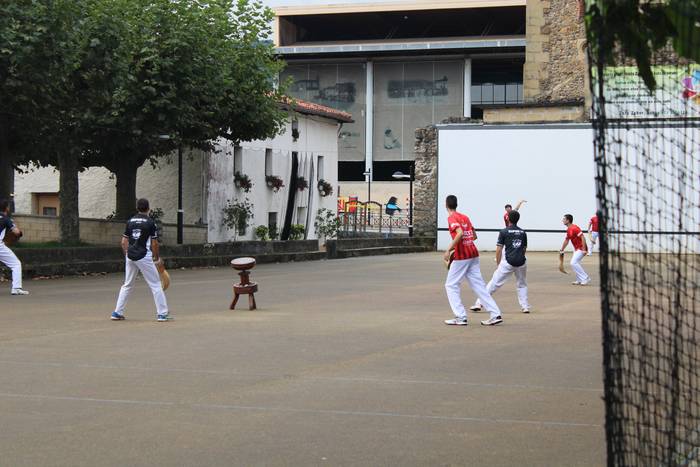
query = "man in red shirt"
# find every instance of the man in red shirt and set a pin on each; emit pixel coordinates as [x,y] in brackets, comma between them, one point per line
[510,208]
[593,231]
[465,266]
[578,241]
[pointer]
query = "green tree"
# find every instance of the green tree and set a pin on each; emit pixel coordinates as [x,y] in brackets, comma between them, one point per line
[189,71]
[41,87]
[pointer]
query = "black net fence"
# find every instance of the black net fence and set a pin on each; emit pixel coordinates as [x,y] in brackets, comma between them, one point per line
[647,154]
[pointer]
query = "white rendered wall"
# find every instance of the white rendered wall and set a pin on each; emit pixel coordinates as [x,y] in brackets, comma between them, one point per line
[486,167]
[97,197]
[318,137]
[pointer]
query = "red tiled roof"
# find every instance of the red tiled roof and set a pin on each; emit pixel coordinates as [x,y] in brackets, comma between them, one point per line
[309,108]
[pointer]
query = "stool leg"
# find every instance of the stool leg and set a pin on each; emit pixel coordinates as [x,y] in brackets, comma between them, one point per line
[235,300]
[251,302]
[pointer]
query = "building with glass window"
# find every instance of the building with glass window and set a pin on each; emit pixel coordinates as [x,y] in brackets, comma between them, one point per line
[400,66]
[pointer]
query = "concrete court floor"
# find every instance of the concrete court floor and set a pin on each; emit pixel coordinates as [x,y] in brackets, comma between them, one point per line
[346,362]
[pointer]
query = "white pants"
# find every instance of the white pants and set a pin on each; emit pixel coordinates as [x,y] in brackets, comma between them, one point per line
[594,240]
[10,260]
[469,270]
[581,275]
[150,274]
[502,274]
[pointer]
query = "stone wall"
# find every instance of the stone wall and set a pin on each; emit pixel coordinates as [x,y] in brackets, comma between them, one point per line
[555,59]
[536,114]
[425,185]
[40,229]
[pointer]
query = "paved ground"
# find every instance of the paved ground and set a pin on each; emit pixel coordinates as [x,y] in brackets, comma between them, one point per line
[346,363]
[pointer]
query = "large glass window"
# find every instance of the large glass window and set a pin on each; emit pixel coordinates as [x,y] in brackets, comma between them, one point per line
[340,86]
[411,95]
[497,82]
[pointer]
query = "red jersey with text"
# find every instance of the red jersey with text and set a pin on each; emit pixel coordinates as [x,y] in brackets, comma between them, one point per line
[574,234]
[594,224]
[466,249]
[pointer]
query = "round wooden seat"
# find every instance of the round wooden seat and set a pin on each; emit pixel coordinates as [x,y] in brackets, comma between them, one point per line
[243,264]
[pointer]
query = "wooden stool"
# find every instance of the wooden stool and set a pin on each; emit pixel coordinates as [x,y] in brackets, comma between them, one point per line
[245,287]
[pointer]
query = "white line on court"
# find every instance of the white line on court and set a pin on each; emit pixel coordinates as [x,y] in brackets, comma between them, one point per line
[301,376]
[307,411]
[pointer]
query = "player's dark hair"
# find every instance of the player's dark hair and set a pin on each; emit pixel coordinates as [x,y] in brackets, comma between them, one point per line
[569,217]
[451,202]
[142,205]
[508,206]
[4,204]
[514,217]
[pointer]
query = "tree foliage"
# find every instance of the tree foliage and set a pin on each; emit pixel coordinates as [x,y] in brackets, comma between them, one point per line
[640,28]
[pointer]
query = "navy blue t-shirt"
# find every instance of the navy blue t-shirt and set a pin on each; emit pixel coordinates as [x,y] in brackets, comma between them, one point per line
[514,240]
[140,230]
[6,225]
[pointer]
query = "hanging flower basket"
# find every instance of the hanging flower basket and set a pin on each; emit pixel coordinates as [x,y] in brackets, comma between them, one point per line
[325,188]
[302,184]
[274,182]
[242,181]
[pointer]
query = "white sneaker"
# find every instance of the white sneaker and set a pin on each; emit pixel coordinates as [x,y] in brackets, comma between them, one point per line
[475,308]
[585,283]
[576,283]
[525,310]
[590,253]
[456,322]
[492,321]
[19,292]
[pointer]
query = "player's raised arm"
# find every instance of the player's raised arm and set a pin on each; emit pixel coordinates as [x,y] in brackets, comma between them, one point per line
[520,203]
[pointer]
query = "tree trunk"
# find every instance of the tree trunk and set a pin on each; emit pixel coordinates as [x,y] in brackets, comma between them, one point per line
[68,196]
[126,190]
[7,171]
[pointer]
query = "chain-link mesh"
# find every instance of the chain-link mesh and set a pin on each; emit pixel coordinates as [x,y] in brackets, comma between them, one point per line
[648,187]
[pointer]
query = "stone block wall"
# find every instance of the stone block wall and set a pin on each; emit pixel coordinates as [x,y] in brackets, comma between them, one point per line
[40,229]
[555,57]
[536,114]
[425,184]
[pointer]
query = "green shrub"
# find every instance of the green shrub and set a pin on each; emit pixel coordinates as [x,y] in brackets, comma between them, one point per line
[262,232]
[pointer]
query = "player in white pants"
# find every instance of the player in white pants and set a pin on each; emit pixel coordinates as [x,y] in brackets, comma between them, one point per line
[593,231]
[514,240]
[578,241]
[465,266]
[7,257]
[141,249]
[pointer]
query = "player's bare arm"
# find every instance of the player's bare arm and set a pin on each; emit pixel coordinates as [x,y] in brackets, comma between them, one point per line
[455,241]
[520,203]
[125,245]
[155,250]
[499,253]
[15,230]
[564,245]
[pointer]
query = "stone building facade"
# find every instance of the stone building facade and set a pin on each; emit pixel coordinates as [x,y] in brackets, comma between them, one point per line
[555,88]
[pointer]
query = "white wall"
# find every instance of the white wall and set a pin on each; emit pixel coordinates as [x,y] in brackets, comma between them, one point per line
[486,167]
[97,198]
[318,137]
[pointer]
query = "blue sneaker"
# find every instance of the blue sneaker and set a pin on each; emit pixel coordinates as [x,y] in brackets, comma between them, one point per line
[162,318]
[117,317]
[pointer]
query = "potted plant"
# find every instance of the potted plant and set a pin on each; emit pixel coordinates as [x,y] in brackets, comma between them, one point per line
[274,182]
[302,184]
[274,233]
[242,181]
[297,232]
[325,188]
[261,233]
[237,215]
[327,226]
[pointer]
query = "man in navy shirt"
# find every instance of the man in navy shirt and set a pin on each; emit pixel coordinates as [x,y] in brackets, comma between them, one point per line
[6,255]
[140,245]
[514,240]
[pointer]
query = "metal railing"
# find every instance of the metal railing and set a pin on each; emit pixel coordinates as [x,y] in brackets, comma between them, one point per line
[361,217]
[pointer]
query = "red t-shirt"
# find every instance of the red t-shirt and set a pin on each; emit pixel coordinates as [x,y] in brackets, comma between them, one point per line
[574,234]
[465,249]
[594,224]
[505,218]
